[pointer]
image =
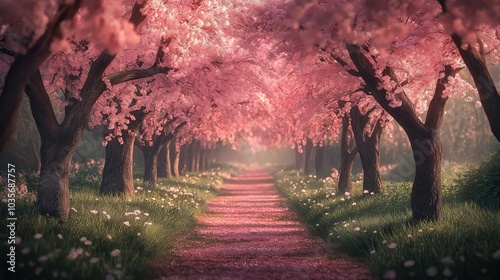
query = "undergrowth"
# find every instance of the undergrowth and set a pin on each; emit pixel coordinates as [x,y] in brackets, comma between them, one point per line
[106,237]
[464,244]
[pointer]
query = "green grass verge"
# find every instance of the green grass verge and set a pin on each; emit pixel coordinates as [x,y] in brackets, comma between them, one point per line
[481,183]
[106,237]
[464,244]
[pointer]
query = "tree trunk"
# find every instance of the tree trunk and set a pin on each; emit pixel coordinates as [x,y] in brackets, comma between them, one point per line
[208,158]
[175,166]
[183,159]
[190,157]
[117,175]
[118,172]
[203,155]
[168,162]
[370,158]
[24,66]
[196,156]
[367,140]
[347,158]
[345,176]
[150,165]
[426,192]
[308,157]
[52,199]
[476,63]
[151,151]
[53,189]
[319,163]
[162,162]
[488,94]
[299,158]
[426,201]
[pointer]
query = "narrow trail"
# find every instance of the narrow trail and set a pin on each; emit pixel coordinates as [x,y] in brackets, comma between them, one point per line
[248,233]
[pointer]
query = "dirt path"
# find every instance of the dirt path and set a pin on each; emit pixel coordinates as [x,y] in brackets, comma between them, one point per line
[248,233]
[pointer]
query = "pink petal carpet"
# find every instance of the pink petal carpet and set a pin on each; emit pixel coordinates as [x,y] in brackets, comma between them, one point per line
[247,232]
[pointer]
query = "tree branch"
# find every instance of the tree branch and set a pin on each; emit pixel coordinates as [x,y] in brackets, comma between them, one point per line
[41,107]
[404,114]
[344,64]
[9,52]
[23,67]
[435,112]
[135,74]
[79,110]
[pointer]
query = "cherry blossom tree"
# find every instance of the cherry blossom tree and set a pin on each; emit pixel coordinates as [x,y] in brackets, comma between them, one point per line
[474,29]
[30,45]
[80,92]
[31,31]
[192,28]
[388,63]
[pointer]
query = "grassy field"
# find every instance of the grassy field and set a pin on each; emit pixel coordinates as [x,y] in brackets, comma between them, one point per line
[106,237]
[465,244]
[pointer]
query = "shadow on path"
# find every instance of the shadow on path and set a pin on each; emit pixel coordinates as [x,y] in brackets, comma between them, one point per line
[246,234]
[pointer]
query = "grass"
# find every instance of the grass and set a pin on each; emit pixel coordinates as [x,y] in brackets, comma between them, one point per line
[107,237]
[481,183]
[464,244]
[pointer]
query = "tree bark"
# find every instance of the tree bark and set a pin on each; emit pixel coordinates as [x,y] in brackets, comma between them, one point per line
[426,200]
[183,159]
[168,161]
[150,165]
[488,93]
[208,158]
[367,140]
[308,157]
[162,162]
[117,175]
[299,158]
[319,163]
[24,66]
[203,154]
[189,157]
[196,156]
[151,151]
[53,190]
[176,163]
[52,199]
[347,157]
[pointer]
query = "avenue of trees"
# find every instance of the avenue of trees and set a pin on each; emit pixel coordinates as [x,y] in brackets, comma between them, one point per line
[175,78]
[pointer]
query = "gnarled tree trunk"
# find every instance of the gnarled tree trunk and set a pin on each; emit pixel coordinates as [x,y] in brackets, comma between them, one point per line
[52,200]
[426,192]
[24,66]
[209,157]
[367,140]
[117,175]
[347,157]
[308,157]
[168,161]
[299,158]
[150,164]
[175,167]
[426,200]
[151,151]
[203,154]
[53,189]
[162,162]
